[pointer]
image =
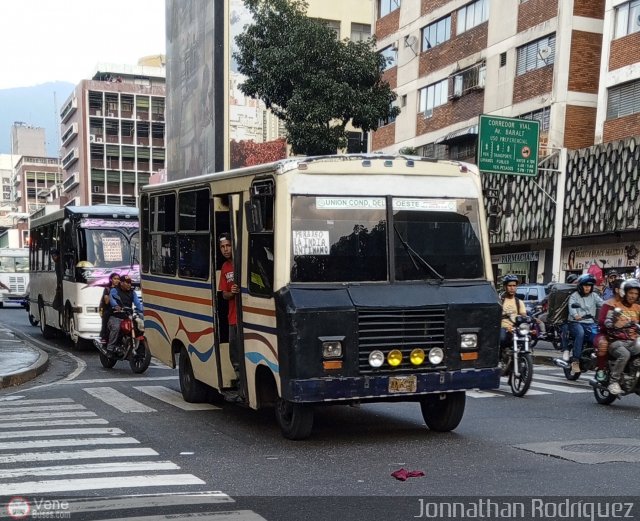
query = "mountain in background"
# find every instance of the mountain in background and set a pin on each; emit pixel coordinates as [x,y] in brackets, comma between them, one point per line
[36,107]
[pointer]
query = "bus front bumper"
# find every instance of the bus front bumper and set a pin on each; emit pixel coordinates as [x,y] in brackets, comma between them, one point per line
[376,388]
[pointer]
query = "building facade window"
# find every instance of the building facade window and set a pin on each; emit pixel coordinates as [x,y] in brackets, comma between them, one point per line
[472,14]
[623,100]
[432,150]
[542,115]
[433,96]
[536,54]
[436,33]
[360,32]
[387,6]
[391,57]
[334,25]
[627,18]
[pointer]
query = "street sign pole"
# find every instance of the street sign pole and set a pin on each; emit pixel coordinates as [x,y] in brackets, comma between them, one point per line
[559,220]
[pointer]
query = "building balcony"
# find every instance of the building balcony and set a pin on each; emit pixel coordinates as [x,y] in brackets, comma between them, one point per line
[69,108]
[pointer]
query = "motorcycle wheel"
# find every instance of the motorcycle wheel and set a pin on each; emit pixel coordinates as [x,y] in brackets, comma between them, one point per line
[520,384]
[603,396]
[107,362]
[140,358]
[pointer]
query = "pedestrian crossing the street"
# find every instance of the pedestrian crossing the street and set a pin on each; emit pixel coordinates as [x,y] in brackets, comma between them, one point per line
[547,380]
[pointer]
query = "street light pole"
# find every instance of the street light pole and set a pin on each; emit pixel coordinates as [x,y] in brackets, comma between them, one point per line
[559,220]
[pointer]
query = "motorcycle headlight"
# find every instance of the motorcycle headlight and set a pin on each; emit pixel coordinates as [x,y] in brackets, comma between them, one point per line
[524,329]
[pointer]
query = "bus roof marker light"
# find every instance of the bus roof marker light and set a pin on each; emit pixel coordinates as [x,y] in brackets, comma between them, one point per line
[388,163]
[303,166]
[366,162]
[410,163]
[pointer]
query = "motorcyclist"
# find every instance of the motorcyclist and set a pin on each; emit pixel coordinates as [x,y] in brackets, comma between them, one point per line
[601,341]
[608,291]
[583,310]
[621,328]
[511,306]
[122,296]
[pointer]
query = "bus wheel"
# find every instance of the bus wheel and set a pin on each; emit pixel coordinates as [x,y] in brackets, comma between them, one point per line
[193,391]
[443,412]
[74,336]
[295,419]
[33,320]
[47,331]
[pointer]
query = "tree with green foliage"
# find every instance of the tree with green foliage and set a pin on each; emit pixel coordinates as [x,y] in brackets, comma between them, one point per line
[315,83]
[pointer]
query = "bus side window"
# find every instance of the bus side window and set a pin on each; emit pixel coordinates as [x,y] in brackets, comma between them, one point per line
[261,247]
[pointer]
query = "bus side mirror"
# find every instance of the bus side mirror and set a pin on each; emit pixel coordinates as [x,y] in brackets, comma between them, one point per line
[253,216]
[66,226]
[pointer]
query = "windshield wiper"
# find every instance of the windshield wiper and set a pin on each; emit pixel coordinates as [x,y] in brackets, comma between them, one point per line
[413,255]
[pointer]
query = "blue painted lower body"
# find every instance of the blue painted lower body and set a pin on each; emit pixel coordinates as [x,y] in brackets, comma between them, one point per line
[376,387]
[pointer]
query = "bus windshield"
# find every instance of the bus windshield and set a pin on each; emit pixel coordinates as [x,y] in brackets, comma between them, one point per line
[344,239]
[14,264]
[109,248]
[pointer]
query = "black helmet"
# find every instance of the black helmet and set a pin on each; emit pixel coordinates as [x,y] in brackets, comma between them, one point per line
[509,278]
[585,280]
[627,285]
[572,278]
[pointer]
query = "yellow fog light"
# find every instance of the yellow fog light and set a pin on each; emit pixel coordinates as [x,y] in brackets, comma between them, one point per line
[417,356]
[394,358]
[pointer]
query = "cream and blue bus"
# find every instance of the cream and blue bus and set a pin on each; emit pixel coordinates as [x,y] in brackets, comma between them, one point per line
[363,278]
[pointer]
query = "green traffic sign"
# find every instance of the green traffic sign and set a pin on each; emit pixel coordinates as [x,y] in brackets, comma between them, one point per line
[508,145]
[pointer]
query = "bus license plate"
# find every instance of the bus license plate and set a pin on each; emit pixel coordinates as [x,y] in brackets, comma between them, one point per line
[403,384]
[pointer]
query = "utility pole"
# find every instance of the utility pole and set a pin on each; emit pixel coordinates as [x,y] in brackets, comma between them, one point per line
[559,220]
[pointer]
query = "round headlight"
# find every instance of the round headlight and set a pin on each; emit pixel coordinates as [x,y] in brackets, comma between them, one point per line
[376,358]
[394,358]
[436,355]
[417,356]
[524,329]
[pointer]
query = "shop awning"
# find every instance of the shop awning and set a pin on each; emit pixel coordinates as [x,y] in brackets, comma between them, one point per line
[458,135]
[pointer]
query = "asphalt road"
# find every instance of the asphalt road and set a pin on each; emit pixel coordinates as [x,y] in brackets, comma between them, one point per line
[556,441]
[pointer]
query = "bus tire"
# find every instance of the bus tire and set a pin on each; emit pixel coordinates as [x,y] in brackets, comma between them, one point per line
[192,390]
[295,419]
[33,320]
[47,331]
[443,412]
[74,336]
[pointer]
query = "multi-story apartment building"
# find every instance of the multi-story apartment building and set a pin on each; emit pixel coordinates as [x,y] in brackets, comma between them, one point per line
[35,183]
[27,140]
[572,65]
[451,60]
[113,134]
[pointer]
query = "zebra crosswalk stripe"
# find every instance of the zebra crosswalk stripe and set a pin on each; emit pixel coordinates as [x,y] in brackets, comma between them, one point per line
[54,423]
[102,483]
[230,515]
[88,468]
[78,454]
[71,442]
[174,398]
[59,432]
[118,400]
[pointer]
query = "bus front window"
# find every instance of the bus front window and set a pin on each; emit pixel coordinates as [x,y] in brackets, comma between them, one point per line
[436,238]
[14,264]
[338,239]
[107,248]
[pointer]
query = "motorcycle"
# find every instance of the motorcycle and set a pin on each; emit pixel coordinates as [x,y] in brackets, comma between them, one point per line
[589,356]
[517,359]
[551,333]
[629,379]
[132,344]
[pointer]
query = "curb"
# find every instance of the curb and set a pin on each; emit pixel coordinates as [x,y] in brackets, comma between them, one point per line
[28,373]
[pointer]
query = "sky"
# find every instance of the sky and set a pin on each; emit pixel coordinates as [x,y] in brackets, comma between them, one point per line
[63,40]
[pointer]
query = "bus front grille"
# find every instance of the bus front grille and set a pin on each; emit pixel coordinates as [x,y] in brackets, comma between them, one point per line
[403,329]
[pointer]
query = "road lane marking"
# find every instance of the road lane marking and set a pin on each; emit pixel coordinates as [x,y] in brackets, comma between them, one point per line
[131,379]
[63,485]
[562,379]
[18,401]
[88,468]
[39,444]
[118,400]
[59,432]
[483,394]
[174,398]
[78,454]
[229,515]
[532,392]
[43,408]
[45,416]
[53,423]
[560,388]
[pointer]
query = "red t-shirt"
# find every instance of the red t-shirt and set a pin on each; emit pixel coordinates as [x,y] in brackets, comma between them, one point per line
[226,281]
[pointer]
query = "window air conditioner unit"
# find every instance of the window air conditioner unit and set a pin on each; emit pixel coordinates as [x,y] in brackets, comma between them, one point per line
[98,140]
[98,113]
[92,138]
[97,189]
[111,115]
